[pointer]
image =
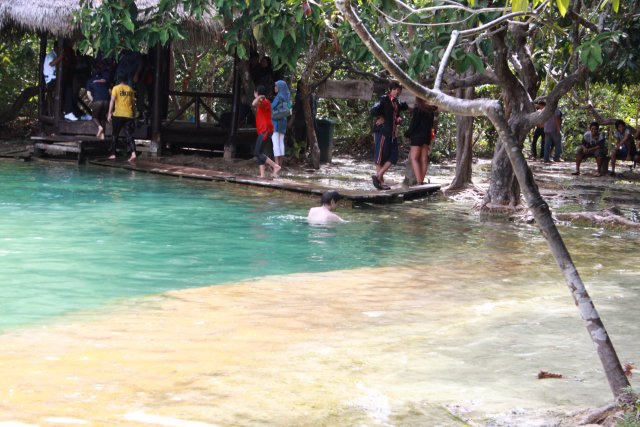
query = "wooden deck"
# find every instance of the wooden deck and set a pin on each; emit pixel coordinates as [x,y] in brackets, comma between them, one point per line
[78,146]
[395,195]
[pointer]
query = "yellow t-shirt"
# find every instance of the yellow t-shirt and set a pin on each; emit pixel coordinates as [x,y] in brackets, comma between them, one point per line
[125,102]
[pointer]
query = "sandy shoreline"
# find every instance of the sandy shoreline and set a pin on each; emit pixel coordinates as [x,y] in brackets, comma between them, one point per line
[333,348]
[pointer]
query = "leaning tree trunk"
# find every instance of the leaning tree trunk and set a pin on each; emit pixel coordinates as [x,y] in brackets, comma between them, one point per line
[618,382]
[508,142]
[13,112]
[464,144]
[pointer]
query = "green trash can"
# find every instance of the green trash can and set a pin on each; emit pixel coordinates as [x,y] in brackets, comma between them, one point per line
[324,133]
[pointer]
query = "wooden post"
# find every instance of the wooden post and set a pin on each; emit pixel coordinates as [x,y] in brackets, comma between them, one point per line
[41,84]
[230,145]
[57,100]
[155,148]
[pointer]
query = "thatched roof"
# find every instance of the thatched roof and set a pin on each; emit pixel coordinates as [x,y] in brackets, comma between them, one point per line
[55,17]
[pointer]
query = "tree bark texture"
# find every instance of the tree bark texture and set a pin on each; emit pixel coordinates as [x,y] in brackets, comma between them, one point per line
[509,133]
[315,54]
[13,112]
[464,144]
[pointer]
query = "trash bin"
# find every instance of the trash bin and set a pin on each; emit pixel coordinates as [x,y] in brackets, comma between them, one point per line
[324,133]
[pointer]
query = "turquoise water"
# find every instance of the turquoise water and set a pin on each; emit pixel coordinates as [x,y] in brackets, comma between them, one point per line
[73,238]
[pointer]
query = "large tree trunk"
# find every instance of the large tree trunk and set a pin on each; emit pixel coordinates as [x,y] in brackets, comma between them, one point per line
[315,53]
[504,191]
[13,112]
[464,144]
[509,142]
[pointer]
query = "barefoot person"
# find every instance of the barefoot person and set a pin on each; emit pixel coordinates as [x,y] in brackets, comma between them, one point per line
[121,115]
[593,144]
[98,93]
[419,133]
[387,121]
[624,148]
[324,214]
[264,127]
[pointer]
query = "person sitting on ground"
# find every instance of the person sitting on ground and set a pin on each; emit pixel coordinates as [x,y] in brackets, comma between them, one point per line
[624,147]
[593,144]
[323,214]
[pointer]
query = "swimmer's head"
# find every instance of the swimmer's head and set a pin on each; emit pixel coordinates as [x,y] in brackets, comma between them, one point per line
[330,196]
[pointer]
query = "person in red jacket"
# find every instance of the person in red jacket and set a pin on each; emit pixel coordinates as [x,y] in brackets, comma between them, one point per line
[264,127]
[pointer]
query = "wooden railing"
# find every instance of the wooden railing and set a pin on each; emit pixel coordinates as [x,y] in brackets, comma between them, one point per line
[196,99]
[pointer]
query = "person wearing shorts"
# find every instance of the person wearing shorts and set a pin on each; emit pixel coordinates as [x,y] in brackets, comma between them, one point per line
[386,145]
[98,92]
[419,133]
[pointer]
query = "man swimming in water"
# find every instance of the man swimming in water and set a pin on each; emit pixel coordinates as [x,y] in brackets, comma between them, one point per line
[324,214]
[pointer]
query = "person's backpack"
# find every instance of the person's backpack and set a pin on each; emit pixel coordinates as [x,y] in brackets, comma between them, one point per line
[377,109]
[282,111]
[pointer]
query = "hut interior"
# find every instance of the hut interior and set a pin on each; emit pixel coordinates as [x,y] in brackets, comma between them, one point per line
[176,110]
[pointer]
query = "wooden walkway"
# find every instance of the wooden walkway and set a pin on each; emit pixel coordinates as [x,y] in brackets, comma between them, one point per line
[81,147]
[395,195]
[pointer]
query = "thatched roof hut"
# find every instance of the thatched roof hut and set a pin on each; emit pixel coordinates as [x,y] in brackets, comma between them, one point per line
[55,17]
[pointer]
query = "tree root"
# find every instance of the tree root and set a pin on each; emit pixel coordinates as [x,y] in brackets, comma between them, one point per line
[610,218]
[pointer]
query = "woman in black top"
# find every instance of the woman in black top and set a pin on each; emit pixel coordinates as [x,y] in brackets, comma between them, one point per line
[420,133]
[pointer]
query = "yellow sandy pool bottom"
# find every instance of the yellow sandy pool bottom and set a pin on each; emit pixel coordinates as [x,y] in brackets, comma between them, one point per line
[383,346]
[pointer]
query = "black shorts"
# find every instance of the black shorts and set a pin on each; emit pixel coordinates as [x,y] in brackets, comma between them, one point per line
[386,149]
[419,142]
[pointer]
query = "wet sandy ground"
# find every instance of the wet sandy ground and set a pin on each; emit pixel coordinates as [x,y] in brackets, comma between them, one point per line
[386,346]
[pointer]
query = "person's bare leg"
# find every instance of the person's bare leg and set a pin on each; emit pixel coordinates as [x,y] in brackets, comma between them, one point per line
[262,170]
[414,157]
[276,168]
[578,162]
[133,157]
[424,161]
[384,168]
[100,133]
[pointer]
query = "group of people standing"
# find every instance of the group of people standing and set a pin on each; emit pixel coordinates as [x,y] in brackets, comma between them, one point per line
[420,132]
[550,133]
[108,103]
[271,126]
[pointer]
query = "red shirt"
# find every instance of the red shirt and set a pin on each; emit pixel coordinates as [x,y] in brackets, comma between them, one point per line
[264,124]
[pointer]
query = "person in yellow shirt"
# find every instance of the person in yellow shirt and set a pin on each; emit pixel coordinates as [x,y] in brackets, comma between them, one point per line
[121,116]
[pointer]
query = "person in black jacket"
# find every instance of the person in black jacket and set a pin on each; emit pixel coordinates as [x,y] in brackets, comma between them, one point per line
[384,133]
[420,132]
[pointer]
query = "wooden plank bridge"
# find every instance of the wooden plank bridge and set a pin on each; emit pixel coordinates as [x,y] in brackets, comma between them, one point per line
[397,194]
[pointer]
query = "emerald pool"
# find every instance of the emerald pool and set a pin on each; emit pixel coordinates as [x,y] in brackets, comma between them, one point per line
[75,237]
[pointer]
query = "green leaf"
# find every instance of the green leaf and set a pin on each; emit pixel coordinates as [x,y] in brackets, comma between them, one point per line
[278,36]
[241,51]
[164,36]
[128,23]
[563,6]
[476,62]
[520,5]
